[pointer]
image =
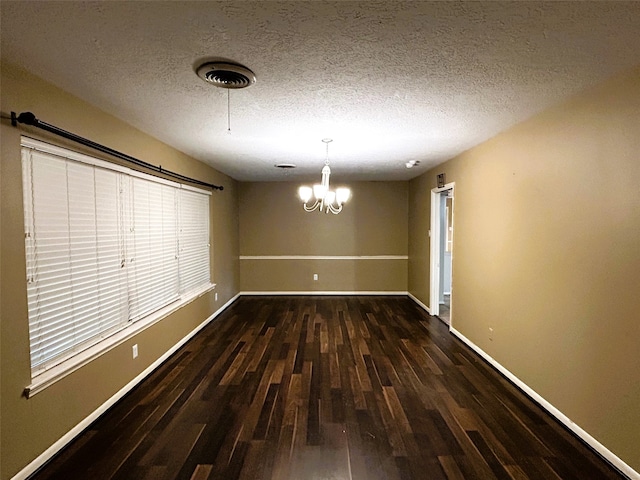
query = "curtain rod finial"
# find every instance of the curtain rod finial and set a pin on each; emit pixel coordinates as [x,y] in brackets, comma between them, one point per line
[27,118]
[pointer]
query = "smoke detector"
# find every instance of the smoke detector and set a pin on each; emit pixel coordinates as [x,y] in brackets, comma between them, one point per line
[226,75]
[412,163]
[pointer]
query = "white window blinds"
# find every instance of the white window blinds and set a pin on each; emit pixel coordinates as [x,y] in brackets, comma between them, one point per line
[153,255]
[103,248]
[194,236]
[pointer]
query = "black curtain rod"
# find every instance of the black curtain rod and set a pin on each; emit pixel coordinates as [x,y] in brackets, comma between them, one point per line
[29,118]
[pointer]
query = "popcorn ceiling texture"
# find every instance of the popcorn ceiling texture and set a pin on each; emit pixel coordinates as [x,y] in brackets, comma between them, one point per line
[389,81]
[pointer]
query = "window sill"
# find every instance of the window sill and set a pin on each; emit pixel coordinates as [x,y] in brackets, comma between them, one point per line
[56,372]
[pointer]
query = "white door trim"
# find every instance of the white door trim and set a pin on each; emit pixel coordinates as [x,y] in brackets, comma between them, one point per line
[434,235]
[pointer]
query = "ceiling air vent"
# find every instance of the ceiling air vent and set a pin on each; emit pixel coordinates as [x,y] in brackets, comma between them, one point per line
[226,75]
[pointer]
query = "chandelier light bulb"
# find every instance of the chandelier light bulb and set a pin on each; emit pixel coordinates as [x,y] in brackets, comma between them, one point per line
[330,197]
[342,195]
[319,191]
[305,193]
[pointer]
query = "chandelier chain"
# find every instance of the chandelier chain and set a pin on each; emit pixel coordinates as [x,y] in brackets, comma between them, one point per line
[327,141]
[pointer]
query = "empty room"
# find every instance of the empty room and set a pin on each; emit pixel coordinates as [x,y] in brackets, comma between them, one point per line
[320,240]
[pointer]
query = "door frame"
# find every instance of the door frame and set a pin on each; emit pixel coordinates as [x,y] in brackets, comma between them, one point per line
[434,236]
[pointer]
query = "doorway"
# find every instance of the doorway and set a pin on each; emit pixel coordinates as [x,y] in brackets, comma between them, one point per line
[441,268]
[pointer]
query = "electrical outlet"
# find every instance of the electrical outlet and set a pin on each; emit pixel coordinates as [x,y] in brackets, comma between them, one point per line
[135,350]
[491,333]
[215,296]
[315,276]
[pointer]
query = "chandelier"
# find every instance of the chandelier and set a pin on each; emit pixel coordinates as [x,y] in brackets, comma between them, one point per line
[325,200]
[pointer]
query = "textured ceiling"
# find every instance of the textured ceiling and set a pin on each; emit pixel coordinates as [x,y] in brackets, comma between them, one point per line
[389,81]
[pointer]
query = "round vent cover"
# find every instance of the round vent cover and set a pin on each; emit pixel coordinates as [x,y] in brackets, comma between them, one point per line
[226,75]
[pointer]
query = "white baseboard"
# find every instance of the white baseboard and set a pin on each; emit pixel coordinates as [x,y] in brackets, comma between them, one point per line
[561,417]
[317,292]
[80,427]
[419,303]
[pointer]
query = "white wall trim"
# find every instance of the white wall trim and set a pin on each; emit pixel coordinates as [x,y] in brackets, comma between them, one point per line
[82,425]
[561,417]
[419,303]
[318,292]
[324,257]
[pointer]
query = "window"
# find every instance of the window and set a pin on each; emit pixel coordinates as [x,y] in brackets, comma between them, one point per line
[105,248]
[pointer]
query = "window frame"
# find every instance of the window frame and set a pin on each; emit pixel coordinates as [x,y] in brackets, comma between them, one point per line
[68,362]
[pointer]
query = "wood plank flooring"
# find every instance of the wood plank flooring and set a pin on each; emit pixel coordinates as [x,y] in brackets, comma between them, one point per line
[355,387]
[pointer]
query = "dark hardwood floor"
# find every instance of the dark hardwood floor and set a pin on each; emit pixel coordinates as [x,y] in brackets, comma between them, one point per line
[303,388]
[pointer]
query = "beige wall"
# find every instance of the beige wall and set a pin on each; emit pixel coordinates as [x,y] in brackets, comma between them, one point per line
[373,223]
[30,426]
[547,253]
[547,219]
